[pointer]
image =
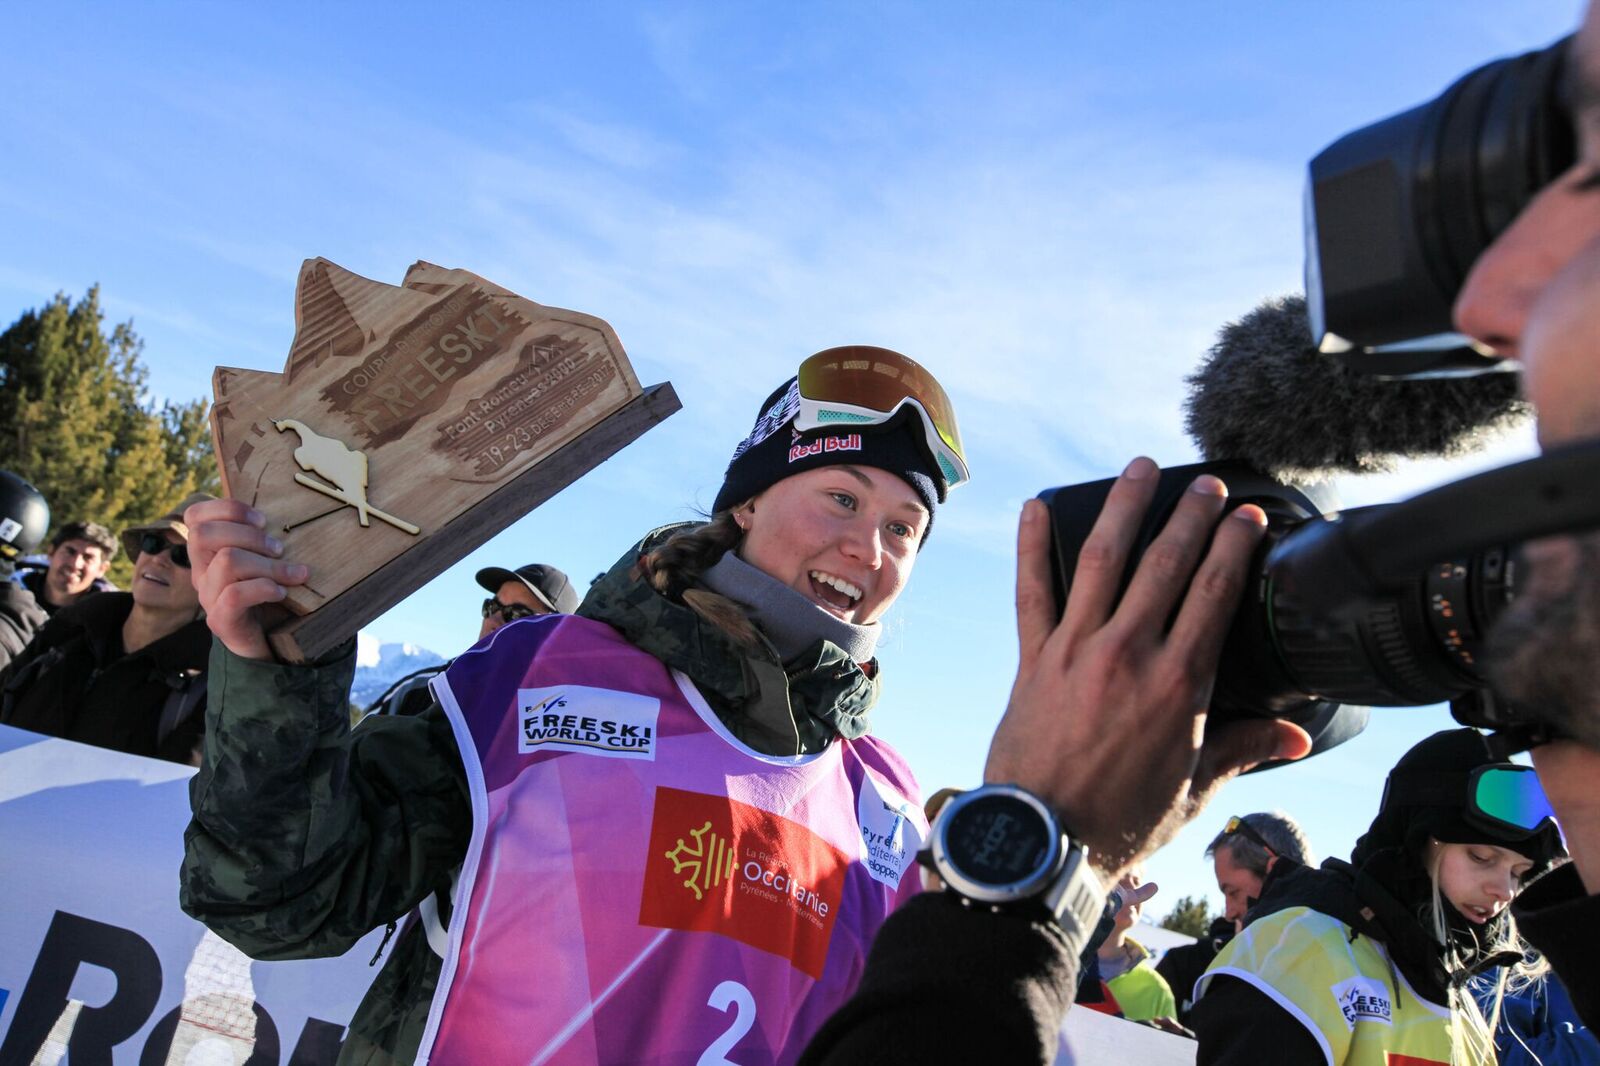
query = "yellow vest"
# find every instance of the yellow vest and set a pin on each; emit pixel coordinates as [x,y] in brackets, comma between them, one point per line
[1359,1008]
[1140,991]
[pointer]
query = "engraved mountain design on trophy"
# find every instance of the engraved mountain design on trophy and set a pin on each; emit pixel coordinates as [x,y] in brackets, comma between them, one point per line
[467,406]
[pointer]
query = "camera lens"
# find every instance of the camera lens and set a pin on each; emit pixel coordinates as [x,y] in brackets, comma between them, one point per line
[1397,212]
[1417,644]
[1316,639]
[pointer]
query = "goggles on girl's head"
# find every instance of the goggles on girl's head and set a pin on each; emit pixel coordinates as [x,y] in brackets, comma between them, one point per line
[864,386]
[1508,796]
[1504,798]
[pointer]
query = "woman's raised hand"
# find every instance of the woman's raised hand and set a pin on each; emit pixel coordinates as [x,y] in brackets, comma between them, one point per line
[236,566]
[1107,720]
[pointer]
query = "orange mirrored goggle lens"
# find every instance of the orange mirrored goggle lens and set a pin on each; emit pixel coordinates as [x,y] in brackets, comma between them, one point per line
[880,380]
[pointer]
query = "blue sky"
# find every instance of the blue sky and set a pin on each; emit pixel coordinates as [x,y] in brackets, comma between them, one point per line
[1052,206]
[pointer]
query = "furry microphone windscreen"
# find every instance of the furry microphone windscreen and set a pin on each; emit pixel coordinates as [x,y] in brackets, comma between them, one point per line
[1265,396]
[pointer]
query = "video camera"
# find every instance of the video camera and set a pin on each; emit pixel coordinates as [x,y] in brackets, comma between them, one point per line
[1390,605]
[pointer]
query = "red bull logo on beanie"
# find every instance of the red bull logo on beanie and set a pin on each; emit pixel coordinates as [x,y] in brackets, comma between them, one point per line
[850,442]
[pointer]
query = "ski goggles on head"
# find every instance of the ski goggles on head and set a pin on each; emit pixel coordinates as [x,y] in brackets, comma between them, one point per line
[864,386]
[1508,796]
[1504,798]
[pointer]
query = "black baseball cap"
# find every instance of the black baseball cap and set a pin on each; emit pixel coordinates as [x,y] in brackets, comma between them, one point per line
[549,585]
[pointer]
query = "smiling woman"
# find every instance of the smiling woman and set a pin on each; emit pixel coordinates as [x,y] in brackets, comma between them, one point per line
[843,536]
[672,795]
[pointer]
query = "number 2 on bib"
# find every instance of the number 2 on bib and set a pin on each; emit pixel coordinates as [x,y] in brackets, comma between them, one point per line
[729,994]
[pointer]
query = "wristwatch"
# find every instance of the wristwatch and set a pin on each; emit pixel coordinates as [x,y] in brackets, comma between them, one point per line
[1001,847]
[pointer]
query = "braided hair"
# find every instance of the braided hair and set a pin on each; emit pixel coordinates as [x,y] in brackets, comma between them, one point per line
[674,569]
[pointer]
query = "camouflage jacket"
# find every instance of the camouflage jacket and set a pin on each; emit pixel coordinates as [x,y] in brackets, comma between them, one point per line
[308,834]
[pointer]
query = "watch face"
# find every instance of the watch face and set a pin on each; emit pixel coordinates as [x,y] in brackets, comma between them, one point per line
[998,840]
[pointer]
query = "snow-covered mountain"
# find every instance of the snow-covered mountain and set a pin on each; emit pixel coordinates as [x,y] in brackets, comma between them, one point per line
[380,665]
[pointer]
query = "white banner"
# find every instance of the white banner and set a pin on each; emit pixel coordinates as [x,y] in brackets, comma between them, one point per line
[95,955]
[1093,1039]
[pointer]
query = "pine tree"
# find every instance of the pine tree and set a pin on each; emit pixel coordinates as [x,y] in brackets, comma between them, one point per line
[1189,915]
[77,421]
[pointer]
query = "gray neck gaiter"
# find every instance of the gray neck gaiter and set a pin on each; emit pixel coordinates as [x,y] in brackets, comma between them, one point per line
[790,621]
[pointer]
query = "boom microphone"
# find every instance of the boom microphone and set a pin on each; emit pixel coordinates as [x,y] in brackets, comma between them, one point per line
[1267,397]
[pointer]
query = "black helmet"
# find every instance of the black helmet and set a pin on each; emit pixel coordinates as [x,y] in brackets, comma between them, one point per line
[24,517]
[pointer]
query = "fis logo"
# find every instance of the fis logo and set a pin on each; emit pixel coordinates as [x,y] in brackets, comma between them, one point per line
[532,711]
[709,862]
[587,721]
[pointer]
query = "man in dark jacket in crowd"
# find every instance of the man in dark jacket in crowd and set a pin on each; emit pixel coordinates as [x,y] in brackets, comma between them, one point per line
[80,554]
[1242,855]
[122,670]
[1245,851]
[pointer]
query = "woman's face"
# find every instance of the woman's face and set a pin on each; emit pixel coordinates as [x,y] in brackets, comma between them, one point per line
[1479,880]
[842,536]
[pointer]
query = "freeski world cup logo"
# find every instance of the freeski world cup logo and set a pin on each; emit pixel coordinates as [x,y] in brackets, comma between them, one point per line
[587,721]
[716,865]
[1362,998]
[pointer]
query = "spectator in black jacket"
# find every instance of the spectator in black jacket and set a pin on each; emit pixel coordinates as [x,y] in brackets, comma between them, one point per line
[122,670]
[1245,850]
[1241,856]
[80,554]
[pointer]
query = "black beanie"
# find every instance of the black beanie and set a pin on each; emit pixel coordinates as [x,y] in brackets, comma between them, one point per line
[1408,826]
[774,450]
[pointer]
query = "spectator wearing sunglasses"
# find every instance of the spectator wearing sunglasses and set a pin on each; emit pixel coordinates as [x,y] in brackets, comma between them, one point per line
[1370,961]
[526,592]
[122,670]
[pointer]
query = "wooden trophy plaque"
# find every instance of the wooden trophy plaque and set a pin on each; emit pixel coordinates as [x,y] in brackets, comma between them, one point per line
[412,423]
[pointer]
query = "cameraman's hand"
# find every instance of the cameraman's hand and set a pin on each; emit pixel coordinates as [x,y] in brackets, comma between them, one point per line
[235,568]
[1107,719]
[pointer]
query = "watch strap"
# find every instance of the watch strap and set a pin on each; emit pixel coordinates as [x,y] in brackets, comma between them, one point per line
[1076,899]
